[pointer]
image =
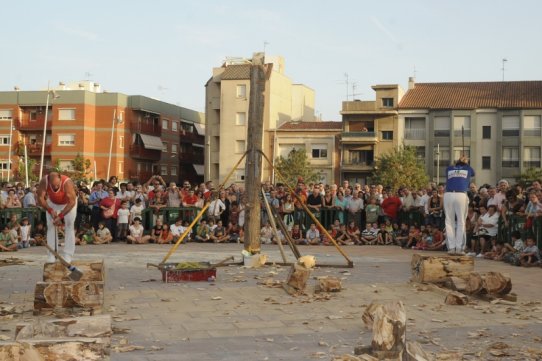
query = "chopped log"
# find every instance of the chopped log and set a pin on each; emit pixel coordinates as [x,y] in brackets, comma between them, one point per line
[389,329]
[64,349]
[10,351]
[329,284]
[363,349]
[68,294]
[474,283]
[435,269]
[495,283]
[415,352]
[456,298]
[56,272]
[456,284]
[297,279]
[86,326]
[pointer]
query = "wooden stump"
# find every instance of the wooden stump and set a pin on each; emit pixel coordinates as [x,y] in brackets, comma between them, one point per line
[496,283]
[456,284]
[297,279]
[388,323]
[56,272]
[435,269]
[64,349]
[87,326]
[456,298]
[68,294]
[474,283]
[329,284]
[10,351]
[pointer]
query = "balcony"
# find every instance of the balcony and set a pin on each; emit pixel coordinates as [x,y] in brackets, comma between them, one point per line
[140,152]
[460,133]
[150,128]
[141,176]
[359,137]
[533,132]
[189,137]
[27,124]
[511,163]
[354,165]
[33,150]
[190,158]
[415,134]
[531,164]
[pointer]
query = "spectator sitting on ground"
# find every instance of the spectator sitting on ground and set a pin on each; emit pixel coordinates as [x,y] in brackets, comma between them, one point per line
[203,233]
[136,235]
[219,234]
[353,232]
[103,234]
[39,234]
[14,226]
[157,231]
[368,236]
[438,239]
[234,232]
[531,254]
[165,235]
[266,234]
[342,236]
[518,244]
[497,251]
[85,234]
[414,235]
[313,235]
[383,235]
[297,235]
[177,228]
[7,242]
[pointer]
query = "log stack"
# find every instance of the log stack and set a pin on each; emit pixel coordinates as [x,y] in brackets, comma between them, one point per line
[435,269]
[58,291]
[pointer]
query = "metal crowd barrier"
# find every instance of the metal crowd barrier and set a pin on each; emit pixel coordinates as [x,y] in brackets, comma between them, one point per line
[34,215]
[517,223]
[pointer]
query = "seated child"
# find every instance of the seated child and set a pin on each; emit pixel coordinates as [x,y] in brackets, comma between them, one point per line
[368,236]
[402,235]
[233,232]
[136,233]
[7,242]
[414,237]
[85,235]
[531,254]
[497,251]
[297,235]
[157,231]
[165,235]
[103,234]
[39,234]
[342,236]
[219,235]
[266,234]
[512,253]
[353,232]
[313,235]
[384,236]
[437,238]
[203,233]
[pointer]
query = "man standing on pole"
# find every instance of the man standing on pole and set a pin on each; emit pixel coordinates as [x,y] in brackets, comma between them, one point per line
[56,194]
[456,203]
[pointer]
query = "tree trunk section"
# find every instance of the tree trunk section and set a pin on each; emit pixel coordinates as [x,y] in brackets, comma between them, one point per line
[64,349]
[435,269]
[456,284]
[415,352]
[56,272]
[329,284]
[297,279]
[388,323]
[456,298]
[253,165]
[51,295]
[494,283]
[87,326]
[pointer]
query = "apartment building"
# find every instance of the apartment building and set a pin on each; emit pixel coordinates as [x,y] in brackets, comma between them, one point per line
[369,129]
[131,137]
[227,101]
[320,140]
[497,124]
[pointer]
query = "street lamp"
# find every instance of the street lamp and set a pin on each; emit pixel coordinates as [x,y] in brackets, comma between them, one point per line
[55,96]
[117,121]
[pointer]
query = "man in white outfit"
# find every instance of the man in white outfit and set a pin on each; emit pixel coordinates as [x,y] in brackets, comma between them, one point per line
[456,203]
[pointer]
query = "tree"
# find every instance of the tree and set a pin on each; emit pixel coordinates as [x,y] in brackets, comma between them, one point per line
[400,168]
[21,170]
[529,176]
[296,166]
[80,168]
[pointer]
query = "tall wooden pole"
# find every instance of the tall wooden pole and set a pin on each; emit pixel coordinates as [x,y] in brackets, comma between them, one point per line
[253,167]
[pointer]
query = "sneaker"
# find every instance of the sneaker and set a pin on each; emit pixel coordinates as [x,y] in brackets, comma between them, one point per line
[479,255]
[471,254]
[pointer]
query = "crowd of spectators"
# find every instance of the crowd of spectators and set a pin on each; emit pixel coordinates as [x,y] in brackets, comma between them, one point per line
[351,214]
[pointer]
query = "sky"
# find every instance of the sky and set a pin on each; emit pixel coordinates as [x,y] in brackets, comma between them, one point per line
[166,49]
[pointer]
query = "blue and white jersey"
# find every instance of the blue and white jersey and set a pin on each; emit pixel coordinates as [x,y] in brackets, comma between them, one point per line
[458,178]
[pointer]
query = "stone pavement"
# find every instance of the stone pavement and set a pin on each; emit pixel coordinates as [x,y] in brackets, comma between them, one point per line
[236,318]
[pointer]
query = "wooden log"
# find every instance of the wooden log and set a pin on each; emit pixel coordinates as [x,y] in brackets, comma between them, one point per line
[10,351]
[435,269]
[68,294]
[56,272]
[415,352]
[389,329]
[474,283]
[64,349]
[86,326]
[297,279]
[496,283]
[456,298]
[329,284]
[456,284]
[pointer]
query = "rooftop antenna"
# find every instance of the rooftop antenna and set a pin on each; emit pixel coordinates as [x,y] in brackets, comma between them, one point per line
[88,75]
[354,87]
[265,43]
[504,60]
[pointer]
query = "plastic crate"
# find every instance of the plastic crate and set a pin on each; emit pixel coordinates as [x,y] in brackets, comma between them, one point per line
[172,275]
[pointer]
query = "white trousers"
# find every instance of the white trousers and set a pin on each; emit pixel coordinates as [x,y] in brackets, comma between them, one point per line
[69,231]
[456,206]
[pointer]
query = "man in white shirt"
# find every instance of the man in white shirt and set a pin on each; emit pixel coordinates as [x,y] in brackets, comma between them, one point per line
[488,227]
[215,209]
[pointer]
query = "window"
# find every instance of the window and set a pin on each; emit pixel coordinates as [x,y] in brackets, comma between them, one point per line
[486,132]
[458,152]
[442,126]
[510,157]
[65,164]
[163,169]
[121,141]
[486,162]
[241,91]
[510,126]
[66,139]
[531,125]
[319,151]
[121,168]
[240,118]
[387,134]
[387,102]
[173,170]
[462,126]
[415,128]
[4,164]
[33,116]
[165,123]
[362,157]
[285,149]
[164,147]
[240,175]
[240,146]
[531,157]
[4,139]
[442,156]
[420,152]
[66,114]
[174,148]
[5,114]
[174,126]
